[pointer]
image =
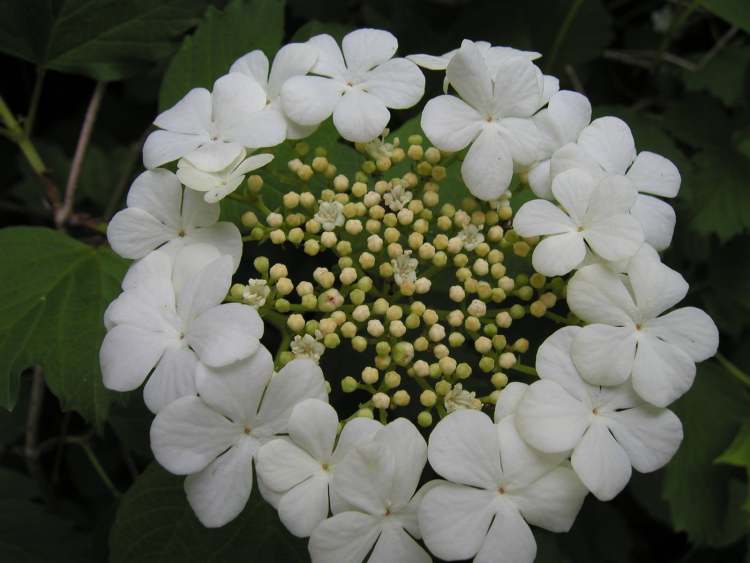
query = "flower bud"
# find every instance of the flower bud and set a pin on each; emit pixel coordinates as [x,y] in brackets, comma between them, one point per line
[483,345]
[456,339]
[403,353]
[370,375]
[397,329]
[330,300]
[421,344]
[499,379]
[447,365]
[506,360]
[375,328]
[296,322]
[401,398]
[284,286]
[381,400]
[424,419]
[359,343]
[436,332]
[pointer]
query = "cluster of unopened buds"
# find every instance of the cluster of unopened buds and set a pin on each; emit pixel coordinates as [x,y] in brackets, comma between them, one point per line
[511,207]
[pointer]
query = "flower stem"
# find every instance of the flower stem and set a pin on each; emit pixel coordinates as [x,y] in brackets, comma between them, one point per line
[36,94]
[528,370]
[733,369]
[562,33]
[100,470]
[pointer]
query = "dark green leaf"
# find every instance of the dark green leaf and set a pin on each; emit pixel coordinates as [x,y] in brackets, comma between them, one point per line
[724,76]
[103,39]
[221,38]
[735,12]
[156,524]
[315,27]
[53,291]
[726,297]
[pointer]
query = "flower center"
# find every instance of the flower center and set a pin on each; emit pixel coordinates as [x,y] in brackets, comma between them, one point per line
[501,490]
[248,429]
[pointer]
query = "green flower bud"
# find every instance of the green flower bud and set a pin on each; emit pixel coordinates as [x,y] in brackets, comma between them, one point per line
[282,305]
[487,364]
[463,370]
[359,343]
[424,419]
[403,353]
[517,311]
[311,327]
[331,340]
[261,264]
[349,384]
[365,413]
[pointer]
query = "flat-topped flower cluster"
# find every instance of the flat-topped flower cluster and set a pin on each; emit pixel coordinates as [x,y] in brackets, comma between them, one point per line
[427,287]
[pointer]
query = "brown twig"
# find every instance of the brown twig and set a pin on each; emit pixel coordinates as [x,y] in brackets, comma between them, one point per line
[31,450]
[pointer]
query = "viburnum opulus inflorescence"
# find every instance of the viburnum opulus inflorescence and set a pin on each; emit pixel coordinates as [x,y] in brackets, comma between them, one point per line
[496,276]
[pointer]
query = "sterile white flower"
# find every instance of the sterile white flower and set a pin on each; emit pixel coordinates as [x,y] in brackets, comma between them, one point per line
[558,124]
[160,214]
[496,485]
[405,268]
[210,129]
[300,468]
[256,292]
[608,429]
[330,214]
[472,236]
[308,346]
[212,438]
[357,83]
[294,59]
[374,502]
[629,338]
[170,319]
[605,147]
[493,115]
[593,214]
[397,198]
[459,398]
[219,183]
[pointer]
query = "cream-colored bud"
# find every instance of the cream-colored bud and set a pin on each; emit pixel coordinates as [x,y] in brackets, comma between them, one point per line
[421,368]
[278,271]
[381,401]
[421,344]
[348,276]
[477,308]
[422,285]
[353,226]
[455,245]
[503,319]
[375,328]
[507,360]
[312,227]
[304,288]
[361,313]
[372,198]
[506,284]
[415,240]
[405,216]
[328,239]
[472,324]
[374,243]
[290,200]
[319,164]
[455,318]
[436,332]
[483,345]
[341,183]
[370,375]
[284,286]
[394,249]
[456,293]
[296,322]
[401,398]
[277,237]
[366,260]
[430,317]
[428,398]
[348,330]
[481,267]
[397,329]
[385,270]
[447,365]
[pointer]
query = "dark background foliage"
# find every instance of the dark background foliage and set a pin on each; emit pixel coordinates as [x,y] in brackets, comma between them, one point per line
[76,483]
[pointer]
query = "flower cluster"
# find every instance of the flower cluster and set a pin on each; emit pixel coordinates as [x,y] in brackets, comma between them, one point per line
[430,284]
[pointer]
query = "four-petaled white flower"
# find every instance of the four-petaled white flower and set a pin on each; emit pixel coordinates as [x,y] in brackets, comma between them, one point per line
[459,398]
[471,236]
[170,319]
[330,214]
[357,83]
[374,502]
[606,147]
[397,198]
[493,115]
[220,183]
[294,59]
[308,346]
[629,338]
[210,129]
[256,292]
[593,214]
[608,429]
[161,215]
[300,468]
[496,485]
[213,437]
[404,268]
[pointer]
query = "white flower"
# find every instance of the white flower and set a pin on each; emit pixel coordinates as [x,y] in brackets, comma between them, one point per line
[593,214]
[493,115]
[458,398]
[213,437]
[496,485]
[397,198]
[210,129]
[472,236]
[170,319]
[356,86]
[294,59]
[373,501]
[256,292]
[330,214]
[558,124]
[219,183]
[404,268]
[629,338]
[607,147]
[308,346]
[300,468]
[380,148]
[161,215]
[608,429]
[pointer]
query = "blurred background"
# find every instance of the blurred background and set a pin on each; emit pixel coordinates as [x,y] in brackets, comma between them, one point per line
[75,479]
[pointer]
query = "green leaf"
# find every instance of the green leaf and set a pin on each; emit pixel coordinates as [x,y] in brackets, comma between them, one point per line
[698,490]
[726,297]
[222,38]
[53,291]
[735,12]
[102,39]
[738,452]
[156,524]
[724,76]
[315,27]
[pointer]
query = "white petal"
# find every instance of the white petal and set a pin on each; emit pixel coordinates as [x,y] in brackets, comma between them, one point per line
[305,506]
[604,354]
[219,493]
[224,236]
[330,60]
[312,426]
[264,128]
[657,220]
[225,334]
[234,97]
[550,419]
[656,286]
[464,449]
[360,116]
[398,83]
[254,65]
[554,362]
[196,179]
[553,501]
[347,536]
[601,463]
[159,193]
[539,179]
[609,141]
[294,59]
[567,114]
[574,190]
[191,115]
[127,355]
[522,139]
[454,519]
[488,166]
[365,48]
[173,377]
[148,306]
[662,372]
[654,174]
[236,390]
[196,212]
[616,237]
[394,544]
[283,465]
[410,454]
[689,328]
[573,156]
[162,147]
[213,156]
[613,195]
[355,432]
[310,100]
[468,73]
[518,88]
[521,463]
[649,435]
[557,255]
[509,539]
[450,123]
[430,62]
[187,435]
[541,217]
[364,480]
[156,266]
[597,295]
[201,285]
[132,233]
[509,399]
